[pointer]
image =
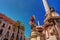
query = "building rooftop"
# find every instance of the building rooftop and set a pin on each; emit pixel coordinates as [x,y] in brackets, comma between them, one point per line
[7,19]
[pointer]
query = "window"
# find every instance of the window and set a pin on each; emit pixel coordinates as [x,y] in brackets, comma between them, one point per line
[0,22]
[9,27]
[7,34]
[1,31]
[5,39]
[3,25]
[12,35]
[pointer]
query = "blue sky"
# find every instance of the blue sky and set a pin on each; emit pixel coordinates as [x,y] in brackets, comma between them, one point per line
[23,9]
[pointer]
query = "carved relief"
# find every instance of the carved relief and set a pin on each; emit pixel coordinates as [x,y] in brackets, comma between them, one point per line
[51,33]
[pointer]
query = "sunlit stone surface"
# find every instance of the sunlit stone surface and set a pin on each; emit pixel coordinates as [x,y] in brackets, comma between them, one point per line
[50,30]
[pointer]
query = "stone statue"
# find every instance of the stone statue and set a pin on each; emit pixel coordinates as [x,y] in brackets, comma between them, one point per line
[32,22]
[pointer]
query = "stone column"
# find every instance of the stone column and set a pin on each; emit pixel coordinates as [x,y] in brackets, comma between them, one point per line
[47,9]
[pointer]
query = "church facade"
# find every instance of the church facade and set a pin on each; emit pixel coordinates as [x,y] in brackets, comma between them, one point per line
[51,28]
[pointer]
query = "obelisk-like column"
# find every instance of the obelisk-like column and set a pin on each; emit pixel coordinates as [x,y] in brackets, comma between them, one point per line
[47,9]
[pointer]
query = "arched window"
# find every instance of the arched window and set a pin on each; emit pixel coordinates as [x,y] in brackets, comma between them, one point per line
[9,27]
[7,34]
[3,25]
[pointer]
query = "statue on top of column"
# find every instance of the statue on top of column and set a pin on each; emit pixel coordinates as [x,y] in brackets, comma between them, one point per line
[32,22]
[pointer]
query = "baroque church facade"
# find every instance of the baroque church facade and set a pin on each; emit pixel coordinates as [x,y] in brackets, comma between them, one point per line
[51,28]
